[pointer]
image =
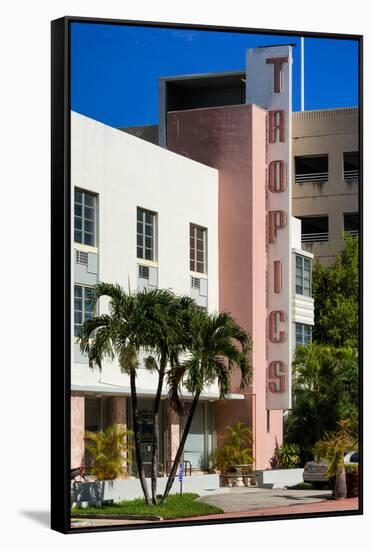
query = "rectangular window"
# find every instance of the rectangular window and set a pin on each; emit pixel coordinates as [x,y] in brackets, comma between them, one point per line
[303,334]
[351,166]
[312,168]
[303,275]
[351,224]
[82,308]
[146,235]
[314,229]
[198,246]
[85,217]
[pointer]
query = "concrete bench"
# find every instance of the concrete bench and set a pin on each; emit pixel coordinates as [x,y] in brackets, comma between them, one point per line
[240,480]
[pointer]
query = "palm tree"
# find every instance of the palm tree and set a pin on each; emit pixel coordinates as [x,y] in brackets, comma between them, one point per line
[216,344]
[168,342]
[332,448]
[107,449]
[130,326]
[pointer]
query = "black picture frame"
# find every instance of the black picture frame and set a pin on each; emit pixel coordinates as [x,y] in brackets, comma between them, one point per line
[61,270]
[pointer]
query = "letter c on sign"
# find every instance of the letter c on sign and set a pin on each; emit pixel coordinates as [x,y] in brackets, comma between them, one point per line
[277,374]
[277,336]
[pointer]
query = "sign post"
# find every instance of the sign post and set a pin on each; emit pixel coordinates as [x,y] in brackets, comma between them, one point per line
[180,477]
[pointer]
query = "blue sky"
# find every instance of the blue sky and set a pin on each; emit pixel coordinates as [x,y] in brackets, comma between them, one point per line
[115,69]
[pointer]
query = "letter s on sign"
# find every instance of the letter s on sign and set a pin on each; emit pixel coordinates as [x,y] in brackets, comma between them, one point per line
[277,377]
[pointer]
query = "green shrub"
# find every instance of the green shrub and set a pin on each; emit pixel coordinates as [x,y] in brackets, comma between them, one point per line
[235,448]
[286,456]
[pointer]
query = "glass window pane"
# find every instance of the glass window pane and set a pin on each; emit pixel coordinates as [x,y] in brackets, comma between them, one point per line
[78,210]
[78,196]
[148,242]
[148,230]
[78,236]
[89,199]
[89,226]
[78,223]
[78,317]
[139,214]
[139,252]
[88,239]
[78,304]
[298,261]
[139,228]
[148,254]
[88,213]
[149,217]
[78,291]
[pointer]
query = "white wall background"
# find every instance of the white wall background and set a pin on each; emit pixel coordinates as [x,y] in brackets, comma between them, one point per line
[24,219]
[127,172]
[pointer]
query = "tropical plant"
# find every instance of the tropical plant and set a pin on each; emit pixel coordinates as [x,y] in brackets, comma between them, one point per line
[216,345]
[109,452]
[235,448]
[131,325]
[332,448]
[168,342]
[336,298]
[325,390]
[286,456]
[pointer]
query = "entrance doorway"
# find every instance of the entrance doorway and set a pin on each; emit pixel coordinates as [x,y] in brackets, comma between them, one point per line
[200,441]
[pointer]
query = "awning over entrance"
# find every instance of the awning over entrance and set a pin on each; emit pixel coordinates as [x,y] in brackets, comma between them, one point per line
[111,389]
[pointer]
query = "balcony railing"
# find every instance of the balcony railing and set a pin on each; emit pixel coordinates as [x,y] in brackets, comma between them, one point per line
[353,232]
[316,177]
[314,237]
[351,175]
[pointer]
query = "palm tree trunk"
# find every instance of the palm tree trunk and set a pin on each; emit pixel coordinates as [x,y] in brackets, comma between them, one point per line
[181,446]
[155,433]
[340,490]
[136,433]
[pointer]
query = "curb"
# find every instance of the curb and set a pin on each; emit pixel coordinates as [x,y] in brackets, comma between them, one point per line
[116,516]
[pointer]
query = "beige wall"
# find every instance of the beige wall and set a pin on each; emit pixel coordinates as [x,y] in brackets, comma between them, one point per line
[332,132]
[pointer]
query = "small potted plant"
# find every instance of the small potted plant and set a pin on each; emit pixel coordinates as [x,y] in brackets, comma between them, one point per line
[234,454]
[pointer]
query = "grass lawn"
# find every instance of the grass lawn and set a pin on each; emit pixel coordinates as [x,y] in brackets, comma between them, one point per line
[176,506]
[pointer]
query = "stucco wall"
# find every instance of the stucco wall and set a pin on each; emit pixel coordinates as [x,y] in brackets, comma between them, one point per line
[233,139]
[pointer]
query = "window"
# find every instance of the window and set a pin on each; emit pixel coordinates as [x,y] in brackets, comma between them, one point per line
[351,166]
[351,224]
[85,217]
[82,308]
[146,234]
[314,229]
[303,275]
[311,169]
[198,237]
[303,334]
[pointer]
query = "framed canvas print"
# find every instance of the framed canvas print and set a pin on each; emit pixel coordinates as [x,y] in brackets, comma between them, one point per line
[206,267]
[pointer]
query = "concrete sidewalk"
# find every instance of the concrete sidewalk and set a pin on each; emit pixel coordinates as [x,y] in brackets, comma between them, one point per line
[255,498]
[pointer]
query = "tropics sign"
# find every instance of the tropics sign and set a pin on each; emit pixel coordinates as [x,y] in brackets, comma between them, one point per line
[269,85]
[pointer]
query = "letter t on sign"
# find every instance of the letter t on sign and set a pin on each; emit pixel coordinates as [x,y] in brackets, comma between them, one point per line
[278,72]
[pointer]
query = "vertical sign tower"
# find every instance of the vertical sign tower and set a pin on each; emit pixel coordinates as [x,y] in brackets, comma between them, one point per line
[269,85]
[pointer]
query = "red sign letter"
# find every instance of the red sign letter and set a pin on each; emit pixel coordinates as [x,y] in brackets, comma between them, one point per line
[277,372]
[276,122]
[277,336]
[277,220]
[277,176]
[278,76]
